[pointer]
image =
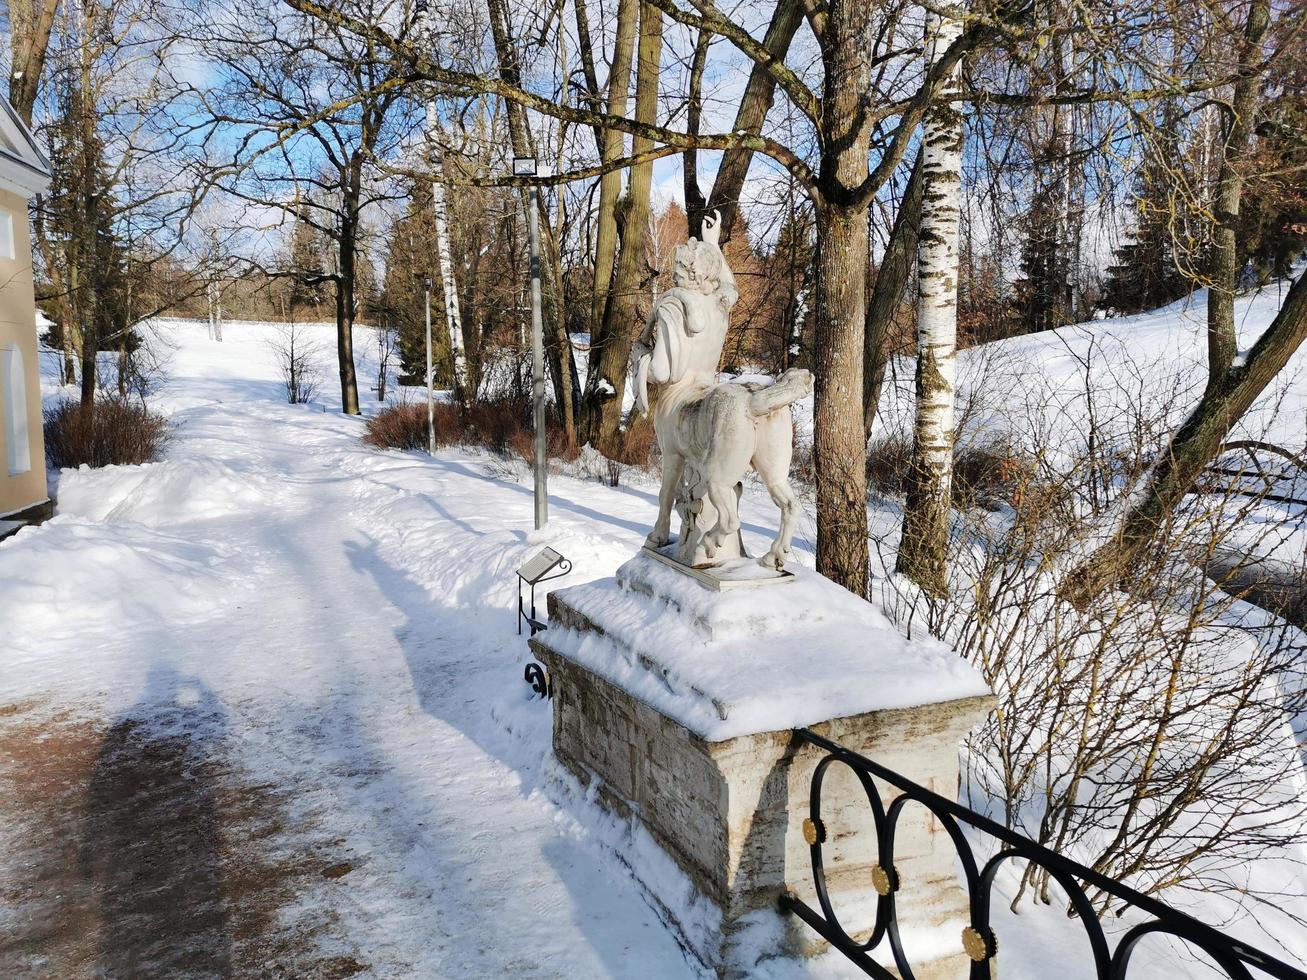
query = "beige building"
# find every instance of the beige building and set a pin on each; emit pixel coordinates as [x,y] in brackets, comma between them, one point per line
[24,172]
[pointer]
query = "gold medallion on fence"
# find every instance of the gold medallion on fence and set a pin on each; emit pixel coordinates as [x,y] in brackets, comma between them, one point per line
[814,831]
[980,946]
[884,881]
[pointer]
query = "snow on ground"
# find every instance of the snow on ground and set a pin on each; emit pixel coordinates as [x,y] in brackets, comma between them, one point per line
[337,623]
[316,642]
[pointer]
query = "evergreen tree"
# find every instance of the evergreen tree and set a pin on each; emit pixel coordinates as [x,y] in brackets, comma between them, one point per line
[790,265]
[410,256]
[1273,216]
[1157,265]
[1044,294]
[307,250]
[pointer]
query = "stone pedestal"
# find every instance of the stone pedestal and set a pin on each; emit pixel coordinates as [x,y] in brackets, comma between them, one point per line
[679,704]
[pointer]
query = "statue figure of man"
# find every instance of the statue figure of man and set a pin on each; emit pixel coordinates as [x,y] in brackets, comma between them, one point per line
[709,433]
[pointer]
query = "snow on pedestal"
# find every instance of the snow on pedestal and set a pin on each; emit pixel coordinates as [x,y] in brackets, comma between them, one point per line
[678,704]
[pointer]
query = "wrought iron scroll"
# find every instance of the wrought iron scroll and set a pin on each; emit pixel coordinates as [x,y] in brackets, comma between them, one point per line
[1235,957]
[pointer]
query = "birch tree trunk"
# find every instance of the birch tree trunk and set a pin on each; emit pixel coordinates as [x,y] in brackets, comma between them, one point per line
[923,551]
[891,283]
[444,257]
[1222,345]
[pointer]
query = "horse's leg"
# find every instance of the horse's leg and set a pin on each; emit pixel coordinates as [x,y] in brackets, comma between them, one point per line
[771,459]
[722,498]
[673,467]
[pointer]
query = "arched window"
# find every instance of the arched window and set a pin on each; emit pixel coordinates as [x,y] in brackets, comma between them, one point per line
[13,409]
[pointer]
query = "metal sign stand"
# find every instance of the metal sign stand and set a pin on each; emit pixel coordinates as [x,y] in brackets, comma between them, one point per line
[534,571]
[542,567]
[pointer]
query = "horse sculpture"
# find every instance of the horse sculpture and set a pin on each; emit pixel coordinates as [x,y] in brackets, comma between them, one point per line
[710,432]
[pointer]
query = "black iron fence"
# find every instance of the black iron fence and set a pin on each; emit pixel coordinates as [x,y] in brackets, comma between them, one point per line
[978,939]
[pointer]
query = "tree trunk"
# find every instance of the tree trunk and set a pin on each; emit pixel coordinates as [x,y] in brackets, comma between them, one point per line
[839,449]
[1222,345]
[1195,445]
[621,321]
[585,46]
[123,366]
[610,185]
[695,203]
[30,23]
[887,293]
[523,145]
[923,549]
[445,259]
[562,360]
[345,281]
[754,106]
[84,244]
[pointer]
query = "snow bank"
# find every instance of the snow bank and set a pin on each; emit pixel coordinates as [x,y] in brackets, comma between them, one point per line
[163,494]
[70,572]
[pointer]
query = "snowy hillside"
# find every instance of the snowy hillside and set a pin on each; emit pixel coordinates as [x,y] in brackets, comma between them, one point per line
[1044,390]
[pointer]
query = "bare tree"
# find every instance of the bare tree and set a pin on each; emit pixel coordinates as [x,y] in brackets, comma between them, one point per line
[610,353]
[297,354]
[1237,129]
[110,110]
[315,106]
[30,25]
[1194,445]
[848,118]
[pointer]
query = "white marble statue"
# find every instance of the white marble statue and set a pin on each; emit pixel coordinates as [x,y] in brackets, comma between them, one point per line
[711,432]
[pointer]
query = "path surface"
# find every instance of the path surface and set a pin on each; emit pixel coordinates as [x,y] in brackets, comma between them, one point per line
[262,715]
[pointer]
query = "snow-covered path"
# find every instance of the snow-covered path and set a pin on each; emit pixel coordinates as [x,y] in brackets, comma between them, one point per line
[334,623]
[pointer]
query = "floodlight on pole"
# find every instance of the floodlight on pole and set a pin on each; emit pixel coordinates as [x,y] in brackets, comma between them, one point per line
[524,166]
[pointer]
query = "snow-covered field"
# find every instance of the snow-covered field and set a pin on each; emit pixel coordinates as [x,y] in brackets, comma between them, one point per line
[330,633]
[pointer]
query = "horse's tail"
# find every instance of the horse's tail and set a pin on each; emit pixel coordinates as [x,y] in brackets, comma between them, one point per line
[791,386]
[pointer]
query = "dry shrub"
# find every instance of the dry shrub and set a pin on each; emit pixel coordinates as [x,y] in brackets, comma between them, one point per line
[404,426]
[501,425]
[119,433]
[639,446]
[888,460]
[982,475]
[398,427]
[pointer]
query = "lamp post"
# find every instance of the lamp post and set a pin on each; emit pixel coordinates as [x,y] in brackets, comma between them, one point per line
[526,167]
[431,395]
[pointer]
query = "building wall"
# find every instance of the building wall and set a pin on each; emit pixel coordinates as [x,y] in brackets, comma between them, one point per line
[18,339]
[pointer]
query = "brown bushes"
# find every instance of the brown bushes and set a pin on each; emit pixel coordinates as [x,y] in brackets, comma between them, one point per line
[502,426]
[118,433]
[981,475]
[398,427]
